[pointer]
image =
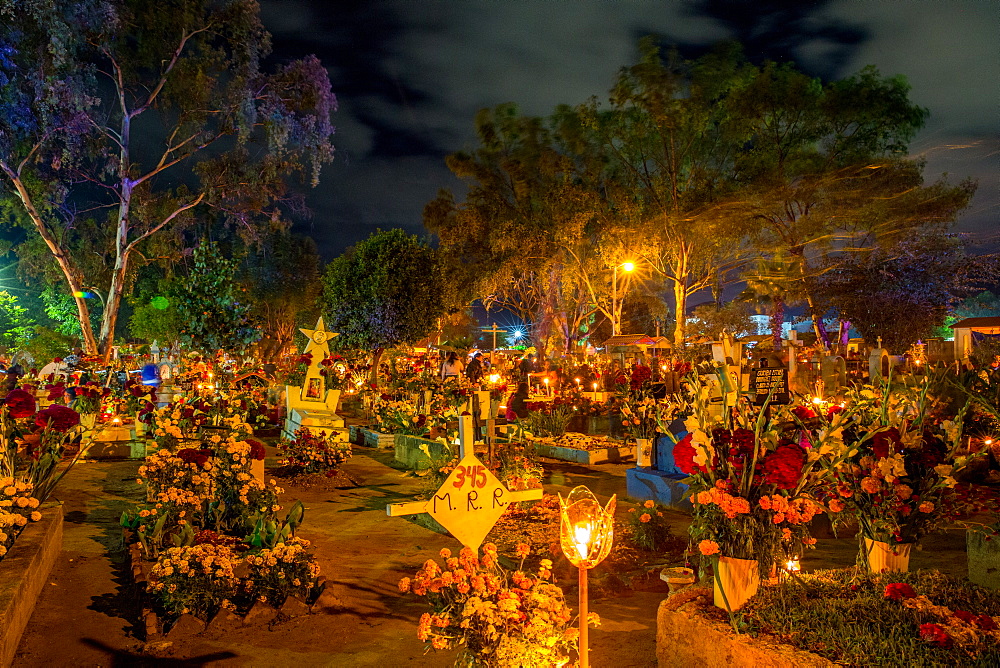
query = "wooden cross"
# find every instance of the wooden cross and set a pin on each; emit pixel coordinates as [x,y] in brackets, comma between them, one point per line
[471,499]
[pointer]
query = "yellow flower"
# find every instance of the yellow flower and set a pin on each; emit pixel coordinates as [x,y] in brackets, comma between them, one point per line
[35,516]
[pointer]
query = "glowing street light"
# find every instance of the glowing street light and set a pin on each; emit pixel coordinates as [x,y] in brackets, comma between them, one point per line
[586,532]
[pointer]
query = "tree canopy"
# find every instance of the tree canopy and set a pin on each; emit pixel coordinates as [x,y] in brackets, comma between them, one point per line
[385,291]
[121,120]
[701,172]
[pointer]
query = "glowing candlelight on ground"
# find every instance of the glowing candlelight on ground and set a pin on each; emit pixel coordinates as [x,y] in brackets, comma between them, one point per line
[792,565]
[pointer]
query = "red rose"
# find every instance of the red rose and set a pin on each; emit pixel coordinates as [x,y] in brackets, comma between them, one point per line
[897,591]
[20,404]
[60,418]
[783,467]
[936,635]
[885,441]
[803,413]
[256,449]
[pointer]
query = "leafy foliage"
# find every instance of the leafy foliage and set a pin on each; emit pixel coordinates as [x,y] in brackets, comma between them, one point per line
[902,293]
[384,291]
[16,327]
[213,314]
[82,82]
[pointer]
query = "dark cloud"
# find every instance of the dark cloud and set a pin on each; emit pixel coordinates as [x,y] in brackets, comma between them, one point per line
[411,75]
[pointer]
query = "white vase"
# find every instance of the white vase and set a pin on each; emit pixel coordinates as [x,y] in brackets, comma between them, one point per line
[886,558]
[739,578]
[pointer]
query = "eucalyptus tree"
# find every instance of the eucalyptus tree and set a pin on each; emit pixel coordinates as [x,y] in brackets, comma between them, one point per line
[121,119]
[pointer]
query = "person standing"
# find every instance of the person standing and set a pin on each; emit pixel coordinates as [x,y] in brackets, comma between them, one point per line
[452,367]
[474,371]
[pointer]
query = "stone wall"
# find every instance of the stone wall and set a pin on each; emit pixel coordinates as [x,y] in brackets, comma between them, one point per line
[685,637]
[23,574]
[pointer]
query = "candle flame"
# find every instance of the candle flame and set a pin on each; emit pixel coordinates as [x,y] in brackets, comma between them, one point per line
[581,535]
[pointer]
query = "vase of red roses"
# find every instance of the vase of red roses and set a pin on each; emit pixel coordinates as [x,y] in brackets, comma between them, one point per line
[753,476]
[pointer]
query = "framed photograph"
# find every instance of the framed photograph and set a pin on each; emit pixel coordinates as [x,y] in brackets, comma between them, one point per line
[314,388]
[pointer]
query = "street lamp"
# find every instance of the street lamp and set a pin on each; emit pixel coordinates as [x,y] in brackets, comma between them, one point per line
[628,268]
[586,531]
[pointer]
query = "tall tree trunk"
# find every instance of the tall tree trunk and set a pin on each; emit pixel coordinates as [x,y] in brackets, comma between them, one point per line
[376,356]
[70,272]
[680,307]
[112,305]
[777,322]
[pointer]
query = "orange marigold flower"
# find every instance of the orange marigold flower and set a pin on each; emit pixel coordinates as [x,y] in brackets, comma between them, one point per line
[404,585]
[644,517]
[926,507]
[836,505]
[445,553]
[708,547]
[648,503]
[522,550]
[704,498]
[809,540]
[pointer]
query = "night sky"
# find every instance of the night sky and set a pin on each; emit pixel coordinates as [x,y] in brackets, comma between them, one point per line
[411,74]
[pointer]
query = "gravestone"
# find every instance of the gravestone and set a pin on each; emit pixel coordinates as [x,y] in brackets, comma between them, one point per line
[769,381]
[311,405]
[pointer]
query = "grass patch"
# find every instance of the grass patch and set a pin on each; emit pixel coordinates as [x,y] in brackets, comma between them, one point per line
[843,615]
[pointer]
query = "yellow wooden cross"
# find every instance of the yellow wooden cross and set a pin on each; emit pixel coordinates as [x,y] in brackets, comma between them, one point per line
[471,499]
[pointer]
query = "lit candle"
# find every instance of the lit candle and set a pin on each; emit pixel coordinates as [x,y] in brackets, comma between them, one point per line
[582,538]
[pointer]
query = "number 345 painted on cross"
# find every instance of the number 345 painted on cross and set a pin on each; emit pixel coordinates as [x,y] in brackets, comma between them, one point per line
[474,475]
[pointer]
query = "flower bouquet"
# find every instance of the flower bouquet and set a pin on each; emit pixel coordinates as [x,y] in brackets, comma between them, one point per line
[898,481]
[753,482]
[494,616]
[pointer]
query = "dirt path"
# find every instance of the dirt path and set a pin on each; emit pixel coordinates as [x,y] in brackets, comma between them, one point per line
[86,617]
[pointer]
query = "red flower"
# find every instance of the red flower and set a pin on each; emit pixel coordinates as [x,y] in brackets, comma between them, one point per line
[833,410]
[966,616]
[21,404]
[885,441]
[803,413]
[986,623]
[783,467]
[256,449]
[55,391]
[60,418]
[192,456]
[640,374]
[936,635]
[897,591]
[684,456]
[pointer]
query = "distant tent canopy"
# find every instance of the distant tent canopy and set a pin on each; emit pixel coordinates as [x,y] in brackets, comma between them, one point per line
[629,340]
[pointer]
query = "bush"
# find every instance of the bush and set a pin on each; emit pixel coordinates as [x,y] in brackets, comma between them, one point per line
[310,453]
[649,527]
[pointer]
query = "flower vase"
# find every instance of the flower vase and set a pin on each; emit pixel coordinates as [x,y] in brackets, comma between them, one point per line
[257,469]
[88,420]
[739,578]
[140,428]
[644,452]
[885,558]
